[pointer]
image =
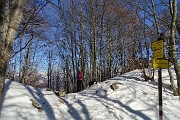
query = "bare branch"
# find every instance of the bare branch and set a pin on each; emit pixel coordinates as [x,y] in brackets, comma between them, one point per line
[32,16]
[23,47]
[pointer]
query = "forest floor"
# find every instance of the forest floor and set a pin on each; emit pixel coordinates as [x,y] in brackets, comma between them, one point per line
[134,99]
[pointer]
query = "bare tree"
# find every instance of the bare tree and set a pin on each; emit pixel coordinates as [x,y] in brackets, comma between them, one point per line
[173,11]
[9,25]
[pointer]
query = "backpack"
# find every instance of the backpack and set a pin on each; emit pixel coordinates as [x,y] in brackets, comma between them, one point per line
[79,75]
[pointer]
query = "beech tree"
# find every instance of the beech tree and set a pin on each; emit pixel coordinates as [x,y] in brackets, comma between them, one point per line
[10,20]
[173,11]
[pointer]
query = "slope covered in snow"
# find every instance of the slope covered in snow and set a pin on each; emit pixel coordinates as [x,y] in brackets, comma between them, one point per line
[134,99]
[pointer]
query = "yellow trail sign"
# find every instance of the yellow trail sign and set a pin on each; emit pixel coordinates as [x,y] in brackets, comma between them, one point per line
[157,45]
[160,63]
[158,54]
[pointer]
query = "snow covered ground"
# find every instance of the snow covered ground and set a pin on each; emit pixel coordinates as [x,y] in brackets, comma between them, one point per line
[135,99]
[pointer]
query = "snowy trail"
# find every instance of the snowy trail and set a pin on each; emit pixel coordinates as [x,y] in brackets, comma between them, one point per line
[133,100]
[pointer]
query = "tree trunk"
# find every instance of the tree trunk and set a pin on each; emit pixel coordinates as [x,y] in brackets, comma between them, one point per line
[24,73]
[82,46]
[29,63]
[95,48]
[73,44]
[175,92]
[7,39]
[156,22]
[101,42]
[155,17]
[49,73]
[92,43]
[20,59]
[3,68]
[178,26]
[67,77]
[173,43]
[109,47]
[4,19]
[25,77]
[121,55]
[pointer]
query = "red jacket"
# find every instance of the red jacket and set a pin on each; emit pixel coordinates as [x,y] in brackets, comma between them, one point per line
[79,75]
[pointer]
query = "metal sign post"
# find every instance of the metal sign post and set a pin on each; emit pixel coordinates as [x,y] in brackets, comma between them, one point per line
[159,62]
[160,93]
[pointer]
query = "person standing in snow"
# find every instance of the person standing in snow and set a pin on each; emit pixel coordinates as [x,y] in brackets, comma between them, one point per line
[79,81]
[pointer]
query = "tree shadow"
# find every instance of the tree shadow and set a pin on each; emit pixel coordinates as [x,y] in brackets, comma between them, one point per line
[39,96]
[72,111]
[42,101]
[84,110]
[6,87]
[133,79]
[128,77]
[138,113]
[154,83]
[106,103]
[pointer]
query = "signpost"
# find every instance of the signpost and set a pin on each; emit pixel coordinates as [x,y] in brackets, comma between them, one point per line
[157,45]
[160,94]
[158,54]
[160,62]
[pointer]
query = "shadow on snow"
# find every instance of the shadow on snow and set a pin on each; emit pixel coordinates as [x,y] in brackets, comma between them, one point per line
[43,102]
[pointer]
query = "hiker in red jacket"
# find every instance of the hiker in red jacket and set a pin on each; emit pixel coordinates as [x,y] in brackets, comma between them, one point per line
[79,81]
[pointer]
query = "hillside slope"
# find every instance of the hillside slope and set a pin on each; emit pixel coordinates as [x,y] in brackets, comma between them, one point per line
[134,99]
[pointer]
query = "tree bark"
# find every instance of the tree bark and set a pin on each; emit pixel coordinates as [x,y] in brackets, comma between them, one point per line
[20,59]
[175,92]
[101,41]
[178,26]
[49,74]
[73,44]
[109,47]
[82,46]
[8,37]
[173,43]
[4,19]
[92,43]
[155,16]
